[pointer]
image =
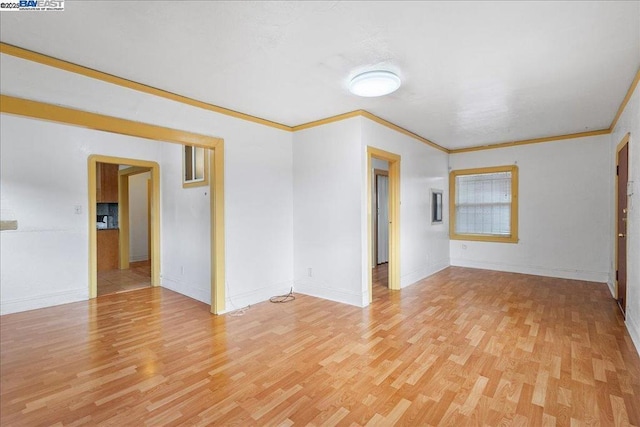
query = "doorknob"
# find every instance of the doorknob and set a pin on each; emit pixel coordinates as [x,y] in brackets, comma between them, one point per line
[622,235]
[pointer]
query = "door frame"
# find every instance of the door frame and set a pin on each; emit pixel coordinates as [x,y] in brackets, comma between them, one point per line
[624,141]
[123,194]
[216,187]
[394,216]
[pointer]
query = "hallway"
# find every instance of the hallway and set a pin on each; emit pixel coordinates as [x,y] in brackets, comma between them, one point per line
[114,281]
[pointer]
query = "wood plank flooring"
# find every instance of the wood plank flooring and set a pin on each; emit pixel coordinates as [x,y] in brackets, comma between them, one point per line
[137,276]
[462,348]
[380,279]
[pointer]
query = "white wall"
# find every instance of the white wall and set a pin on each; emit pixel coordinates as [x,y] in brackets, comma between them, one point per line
[328,165]
[630,122]
[564,210]
[330,208]
[138,217]
[43,178]
[184,237]
[424,247]
[258,193]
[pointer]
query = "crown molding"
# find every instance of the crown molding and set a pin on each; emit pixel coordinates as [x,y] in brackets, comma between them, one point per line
[530,141]
[109,78]
[373,117]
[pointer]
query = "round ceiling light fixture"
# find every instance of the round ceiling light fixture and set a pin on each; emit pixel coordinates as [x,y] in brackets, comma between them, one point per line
[374,83]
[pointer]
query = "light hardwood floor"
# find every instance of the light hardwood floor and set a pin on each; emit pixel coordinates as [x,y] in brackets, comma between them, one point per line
[464,347]
[137,276]
[380,279]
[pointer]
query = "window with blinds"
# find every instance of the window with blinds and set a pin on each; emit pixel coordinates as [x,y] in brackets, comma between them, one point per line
[484,204]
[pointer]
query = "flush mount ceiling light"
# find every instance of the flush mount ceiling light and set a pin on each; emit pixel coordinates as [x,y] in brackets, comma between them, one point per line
[374,83]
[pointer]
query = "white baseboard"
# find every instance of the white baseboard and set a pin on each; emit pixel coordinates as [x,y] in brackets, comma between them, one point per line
[426,271]
[634,331]
[232,301]
[320,290]
[612,288]
[588,276]
[138,258]
[186,289]
[235,301]
[33,302]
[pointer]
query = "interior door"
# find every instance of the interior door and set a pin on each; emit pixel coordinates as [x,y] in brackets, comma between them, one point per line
[382,207]
[621,267]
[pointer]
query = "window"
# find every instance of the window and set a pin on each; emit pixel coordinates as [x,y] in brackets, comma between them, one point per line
[194,166]
[484,204]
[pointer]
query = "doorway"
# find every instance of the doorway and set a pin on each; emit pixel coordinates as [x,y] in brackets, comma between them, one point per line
[132,254]
[113,238]
[380,217]
[381,213]
[383,218]
[622,178]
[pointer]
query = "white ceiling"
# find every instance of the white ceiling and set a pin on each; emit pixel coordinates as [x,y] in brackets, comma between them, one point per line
[474,73]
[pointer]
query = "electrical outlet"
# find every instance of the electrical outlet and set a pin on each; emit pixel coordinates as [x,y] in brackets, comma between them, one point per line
[464,247]
[78,209]
[310,272]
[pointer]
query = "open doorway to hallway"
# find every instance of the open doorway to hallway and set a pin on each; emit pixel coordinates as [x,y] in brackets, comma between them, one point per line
[123,191]
[384,220]
[380,217]
[124,224]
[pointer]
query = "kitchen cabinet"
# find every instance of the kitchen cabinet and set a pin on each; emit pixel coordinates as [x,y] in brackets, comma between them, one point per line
[106,183]
[108,248]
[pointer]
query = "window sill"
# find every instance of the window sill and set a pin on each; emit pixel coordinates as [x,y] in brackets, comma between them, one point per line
[195,184]
[484,238]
